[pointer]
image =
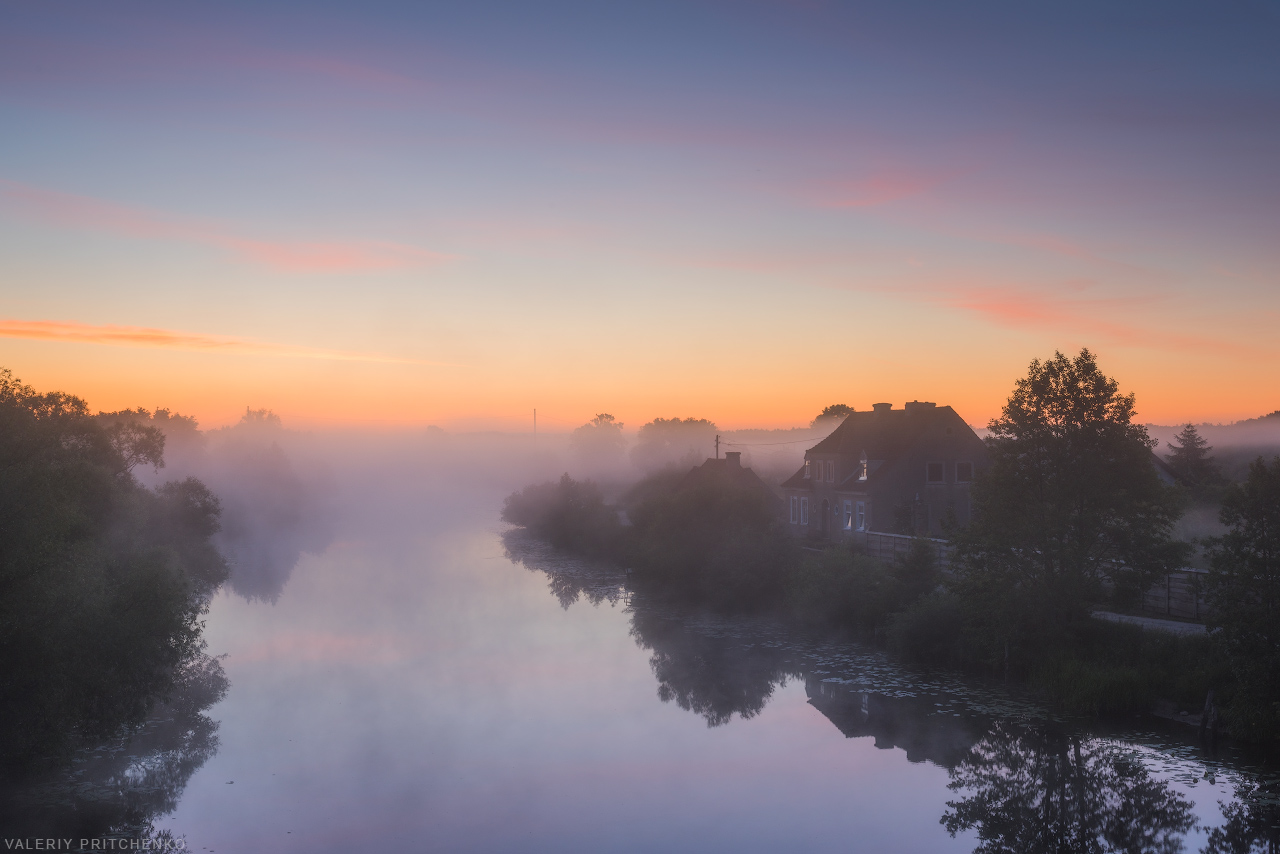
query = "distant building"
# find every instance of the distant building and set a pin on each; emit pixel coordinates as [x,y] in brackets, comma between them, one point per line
[903,471]
[729,473]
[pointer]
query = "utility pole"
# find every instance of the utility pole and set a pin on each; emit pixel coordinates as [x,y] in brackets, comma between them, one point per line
[717,446]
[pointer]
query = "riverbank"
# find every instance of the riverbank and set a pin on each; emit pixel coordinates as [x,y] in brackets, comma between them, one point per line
[719,548]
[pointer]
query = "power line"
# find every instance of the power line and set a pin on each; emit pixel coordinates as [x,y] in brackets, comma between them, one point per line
[762,444]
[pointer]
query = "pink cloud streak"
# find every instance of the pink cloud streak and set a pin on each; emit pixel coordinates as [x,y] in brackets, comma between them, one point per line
[66,209]
[1071,308]
[880,187]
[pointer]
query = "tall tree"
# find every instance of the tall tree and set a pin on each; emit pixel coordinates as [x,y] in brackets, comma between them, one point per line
[665,442]
[834,412]
[599,444]
[1244,595]
[1191,461]
[1071,498]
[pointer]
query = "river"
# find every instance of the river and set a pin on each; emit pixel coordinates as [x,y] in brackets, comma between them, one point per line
[429,681]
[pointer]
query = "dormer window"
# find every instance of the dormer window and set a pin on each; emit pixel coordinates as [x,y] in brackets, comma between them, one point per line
[808,470]
[831,471]
[935,473]
[862,468]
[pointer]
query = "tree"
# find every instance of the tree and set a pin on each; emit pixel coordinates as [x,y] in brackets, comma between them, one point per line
[1192,463]
[665,442]
[711,541]
[137,445]
[1071,498]
[1244,597]
[599,443]
[831,413]
[102,581]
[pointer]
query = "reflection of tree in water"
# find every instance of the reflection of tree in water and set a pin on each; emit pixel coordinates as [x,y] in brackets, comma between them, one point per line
[269,516]
[1025,790]
[1031,791]
[708,675]
[1252,820]
[712,676]
[116,790]
[569,578]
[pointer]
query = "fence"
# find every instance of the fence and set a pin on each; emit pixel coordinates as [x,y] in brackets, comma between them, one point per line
[1178,594]
[891,547]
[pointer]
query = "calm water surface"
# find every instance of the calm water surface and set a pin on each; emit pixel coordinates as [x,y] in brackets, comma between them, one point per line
[429,681]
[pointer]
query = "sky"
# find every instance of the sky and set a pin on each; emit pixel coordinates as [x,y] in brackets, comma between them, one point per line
[401,214]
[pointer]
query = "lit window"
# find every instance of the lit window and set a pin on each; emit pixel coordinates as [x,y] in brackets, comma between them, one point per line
[935,473]
[848,515]
[807,469]
[861,518]
[964,472]
[862,468]
[795,510]
[804,511]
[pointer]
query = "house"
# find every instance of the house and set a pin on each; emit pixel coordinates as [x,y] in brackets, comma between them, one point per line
[903,471]
[729,473]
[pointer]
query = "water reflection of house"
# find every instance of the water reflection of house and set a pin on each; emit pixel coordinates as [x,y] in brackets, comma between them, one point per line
[904,471]
[914,724]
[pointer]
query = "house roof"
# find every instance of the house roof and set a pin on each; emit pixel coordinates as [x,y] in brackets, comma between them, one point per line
[884,434]
[725,472]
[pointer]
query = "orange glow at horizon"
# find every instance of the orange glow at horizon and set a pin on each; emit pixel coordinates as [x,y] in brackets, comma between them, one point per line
[216,384]
[139,336]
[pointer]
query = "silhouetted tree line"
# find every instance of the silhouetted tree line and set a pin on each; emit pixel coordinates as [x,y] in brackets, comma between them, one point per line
[102,580]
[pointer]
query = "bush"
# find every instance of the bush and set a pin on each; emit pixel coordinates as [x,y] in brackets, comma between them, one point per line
[1116,668]
[845,587]
[929,630]
[712,543]
[568,514]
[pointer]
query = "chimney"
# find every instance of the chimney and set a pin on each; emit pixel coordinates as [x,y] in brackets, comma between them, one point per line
[733,458]
[918,406]
[881,407]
